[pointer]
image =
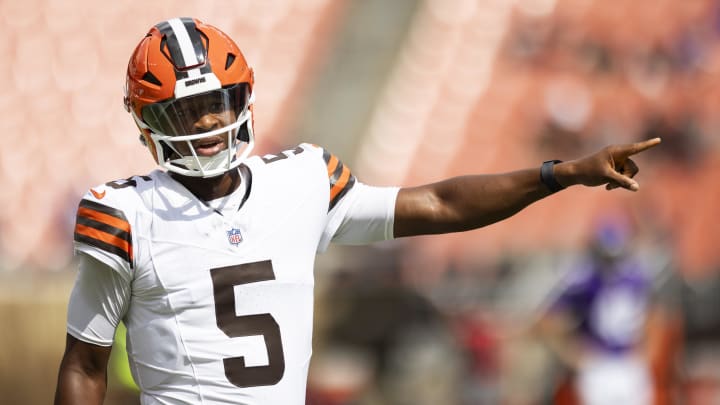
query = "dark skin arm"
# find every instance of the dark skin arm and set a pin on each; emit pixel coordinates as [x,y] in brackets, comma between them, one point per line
[83,374]
[469,202]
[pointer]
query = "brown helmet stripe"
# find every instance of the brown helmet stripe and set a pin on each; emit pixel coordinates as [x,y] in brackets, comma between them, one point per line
[184,46]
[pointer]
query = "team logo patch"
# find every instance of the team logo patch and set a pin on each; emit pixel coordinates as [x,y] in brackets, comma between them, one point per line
[234,236]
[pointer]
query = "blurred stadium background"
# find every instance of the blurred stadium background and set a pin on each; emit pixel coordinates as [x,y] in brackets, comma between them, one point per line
[405,92]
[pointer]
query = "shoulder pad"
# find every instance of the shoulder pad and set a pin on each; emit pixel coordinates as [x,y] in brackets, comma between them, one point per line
[103,226]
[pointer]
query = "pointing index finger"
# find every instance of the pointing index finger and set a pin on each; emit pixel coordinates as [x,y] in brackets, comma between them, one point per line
[638,147]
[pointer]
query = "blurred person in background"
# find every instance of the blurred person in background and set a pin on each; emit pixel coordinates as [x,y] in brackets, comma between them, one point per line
[606,326]
[209,261]
[701,357]
[384,342]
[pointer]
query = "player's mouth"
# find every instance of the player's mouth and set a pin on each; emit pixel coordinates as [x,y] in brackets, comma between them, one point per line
[210,146]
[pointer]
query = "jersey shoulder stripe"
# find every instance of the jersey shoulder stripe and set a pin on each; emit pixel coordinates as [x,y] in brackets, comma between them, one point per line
[105,228]
[340,176]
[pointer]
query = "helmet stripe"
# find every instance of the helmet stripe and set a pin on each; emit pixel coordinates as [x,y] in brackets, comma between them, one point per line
[185,46]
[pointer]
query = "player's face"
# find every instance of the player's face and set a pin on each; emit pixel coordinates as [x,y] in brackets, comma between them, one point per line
[196,115]
[212,119]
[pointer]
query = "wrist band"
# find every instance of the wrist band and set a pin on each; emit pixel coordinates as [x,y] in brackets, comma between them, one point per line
[548,177]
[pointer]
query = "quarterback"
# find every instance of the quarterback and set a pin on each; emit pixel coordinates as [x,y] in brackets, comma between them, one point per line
[208,260]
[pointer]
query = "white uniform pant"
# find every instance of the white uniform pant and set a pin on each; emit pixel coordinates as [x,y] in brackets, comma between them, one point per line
[614,380]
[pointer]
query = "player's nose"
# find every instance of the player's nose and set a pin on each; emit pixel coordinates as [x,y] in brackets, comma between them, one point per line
[207,122]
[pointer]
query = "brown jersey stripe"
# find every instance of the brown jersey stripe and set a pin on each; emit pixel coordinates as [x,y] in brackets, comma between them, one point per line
[341,179]
[341,194]
[105,241]
[326,155]
[104,246]
[330,160]
[104,218]
[104,237]
[332,165]
[105,228]
[335,175]
[101,226]
[103,208]
[337,185]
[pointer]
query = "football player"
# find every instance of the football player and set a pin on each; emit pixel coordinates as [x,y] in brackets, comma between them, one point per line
[209,260]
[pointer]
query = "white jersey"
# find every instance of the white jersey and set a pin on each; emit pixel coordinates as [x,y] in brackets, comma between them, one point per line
[219,307]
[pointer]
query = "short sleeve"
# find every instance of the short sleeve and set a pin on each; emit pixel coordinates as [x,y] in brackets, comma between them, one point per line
[357,213]
[365,215]
[99,300]
[103,232]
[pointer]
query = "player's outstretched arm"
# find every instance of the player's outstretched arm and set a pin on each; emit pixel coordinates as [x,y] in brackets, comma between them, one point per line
[82,379]
[469,202]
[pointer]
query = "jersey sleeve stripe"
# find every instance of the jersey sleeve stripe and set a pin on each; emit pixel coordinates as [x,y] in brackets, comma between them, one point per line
[341,179]
[104,246]
[332,165]
[342,192]
[339,189]
[104,218]
[105,228]
[102,239]
[95,206]
[337,184]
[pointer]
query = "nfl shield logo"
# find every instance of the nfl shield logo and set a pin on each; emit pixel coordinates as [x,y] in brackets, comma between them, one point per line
[234,236]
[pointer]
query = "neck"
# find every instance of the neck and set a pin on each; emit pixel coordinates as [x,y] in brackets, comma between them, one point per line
[210,188]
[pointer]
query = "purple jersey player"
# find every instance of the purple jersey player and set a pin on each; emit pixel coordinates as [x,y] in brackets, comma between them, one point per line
[596,323]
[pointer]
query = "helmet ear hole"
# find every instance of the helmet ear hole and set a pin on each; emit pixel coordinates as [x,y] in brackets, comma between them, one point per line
[243,134]
[168,152]
[229,61]
[142,140]
[151,78]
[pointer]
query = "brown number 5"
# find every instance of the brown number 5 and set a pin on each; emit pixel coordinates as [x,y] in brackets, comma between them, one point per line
[224,280]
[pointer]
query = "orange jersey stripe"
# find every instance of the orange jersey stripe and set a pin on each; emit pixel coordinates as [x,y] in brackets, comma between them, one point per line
[341,182]
[105,237]
[332,165]
[104,218]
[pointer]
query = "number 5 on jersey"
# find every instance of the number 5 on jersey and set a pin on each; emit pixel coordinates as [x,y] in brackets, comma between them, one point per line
[224,280]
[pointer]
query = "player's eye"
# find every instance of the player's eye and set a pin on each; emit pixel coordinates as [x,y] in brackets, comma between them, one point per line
[186,114]
[216,108]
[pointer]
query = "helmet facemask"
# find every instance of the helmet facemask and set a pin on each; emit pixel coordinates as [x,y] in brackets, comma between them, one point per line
[181,127]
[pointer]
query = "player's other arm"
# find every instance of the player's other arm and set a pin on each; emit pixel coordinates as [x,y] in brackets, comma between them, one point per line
[469,202]
[82,379]
[99,299]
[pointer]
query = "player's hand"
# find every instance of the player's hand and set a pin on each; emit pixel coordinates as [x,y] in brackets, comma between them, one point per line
[610,166]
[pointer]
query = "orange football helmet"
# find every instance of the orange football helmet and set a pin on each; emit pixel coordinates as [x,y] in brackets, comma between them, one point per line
[181,70]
